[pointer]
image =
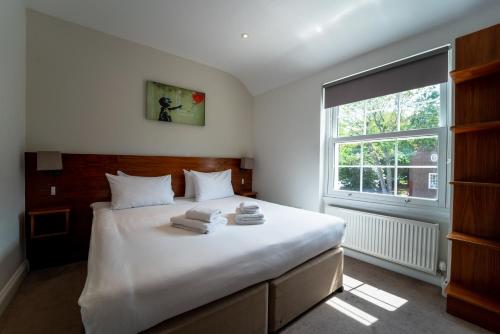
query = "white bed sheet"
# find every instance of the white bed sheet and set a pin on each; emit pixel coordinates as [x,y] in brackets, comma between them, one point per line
[141,270]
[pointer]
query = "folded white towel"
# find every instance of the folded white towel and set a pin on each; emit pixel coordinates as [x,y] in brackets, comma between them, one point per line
[203,213]
[249,205]
[198,225]
[249,216]
[248,211]
[195,230]
[254,221]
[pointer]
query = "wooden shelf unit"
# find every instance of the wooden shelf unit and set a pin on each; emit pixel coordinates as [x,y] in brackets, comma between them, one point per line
[476,184]
[473,291]
[456,236]
[474,127]
[475,72]
[460,292]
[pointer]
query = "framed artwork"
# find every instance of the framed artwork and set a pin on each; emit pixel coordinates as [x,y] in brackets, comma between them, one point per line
[166,103]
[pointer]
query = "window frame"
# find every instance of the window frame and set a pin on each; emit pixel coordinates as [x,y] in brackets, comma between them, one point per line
[441,132]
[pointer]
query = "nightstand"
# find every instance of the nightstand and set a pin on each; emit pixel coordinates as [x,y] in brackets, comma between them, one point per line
[47,237]
[247,193]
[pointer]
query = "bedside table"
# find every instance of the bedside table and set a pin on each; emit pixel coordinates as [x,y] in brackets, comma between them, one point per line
[247,193]
[47,235]
[49,222]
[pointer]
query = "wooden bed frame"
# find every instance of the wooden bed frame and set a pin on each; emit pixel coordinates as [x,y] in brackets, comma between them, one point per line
[265,307]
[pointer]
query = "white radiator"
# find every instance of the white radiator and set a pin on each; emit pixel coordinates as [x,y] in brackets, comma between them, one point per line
[403,241]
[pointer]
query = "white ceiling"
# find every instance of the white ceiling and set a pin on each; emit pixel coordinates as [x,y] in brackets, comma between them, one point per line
[289,39]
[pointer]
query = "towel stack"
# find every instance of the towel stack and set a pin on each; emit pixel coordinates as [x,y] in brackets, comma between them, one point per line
[200,220]
[248,213]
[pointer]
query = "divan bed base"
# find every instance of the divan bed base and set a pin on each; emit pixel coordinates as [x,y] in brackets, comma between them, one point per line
[267,306]
[242,312]
[298,290]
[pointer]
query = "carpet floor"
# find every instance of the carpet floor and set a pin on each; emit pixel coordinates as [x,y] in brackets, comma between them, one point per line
[374,301]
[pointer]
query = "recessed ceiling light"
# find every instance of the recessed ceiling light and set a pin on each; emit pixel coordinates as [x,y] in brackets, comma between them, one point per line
[244,35]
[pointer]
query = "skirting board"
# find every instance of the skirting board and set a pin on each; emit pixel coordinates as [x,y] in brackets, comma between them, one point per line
[431,279]
[9,290]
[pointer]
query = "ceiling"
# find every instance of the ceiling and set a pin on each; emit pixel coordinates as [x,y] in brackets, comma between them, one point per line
[289,39]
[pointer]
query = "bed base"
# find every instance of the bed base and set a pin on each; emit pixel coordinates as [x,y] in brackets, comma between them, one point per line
[265,307]
[242,312]
[298,290]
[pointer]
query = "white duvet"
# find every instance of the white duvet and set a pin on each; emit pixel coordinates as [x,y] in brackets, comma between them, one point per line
[141,270]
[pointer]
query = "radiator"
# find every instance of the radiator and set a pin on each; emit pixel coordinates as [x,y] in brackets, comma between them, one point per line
[407,242]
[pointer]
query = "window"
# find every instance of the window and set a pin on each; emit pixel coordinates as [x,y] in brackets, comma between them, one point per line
[433,181]
[389,148]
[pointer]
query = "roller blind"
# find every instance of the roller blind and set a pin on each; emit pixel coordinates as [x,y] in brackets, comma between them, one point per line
[423,70]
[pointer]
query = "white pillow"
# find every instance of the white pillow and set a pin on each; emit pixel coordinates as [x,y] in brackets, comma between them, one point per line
[135,191]
[212,185]
[189,191]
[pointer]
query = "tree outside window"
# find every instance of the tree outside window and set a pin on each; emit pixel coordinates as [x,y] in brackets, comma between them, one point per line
[388,145]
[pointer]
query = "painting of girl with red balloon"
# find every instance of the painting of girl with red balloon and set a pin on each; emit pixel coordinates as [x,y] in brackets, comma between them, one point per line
[166,103]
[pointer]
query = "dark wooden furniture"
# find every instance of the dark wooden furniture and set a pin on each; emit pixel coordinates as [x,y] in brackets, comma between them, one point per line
[474,288]
[54,222]
[82,181]
[47,236]
[249,193]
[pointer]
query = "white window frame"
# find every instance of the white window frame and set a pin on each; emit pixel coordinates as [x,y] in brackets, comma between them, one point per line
[441,132]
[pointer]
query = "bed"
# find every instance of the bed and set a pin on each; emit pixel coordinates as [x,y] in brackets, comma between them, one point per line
[145,274]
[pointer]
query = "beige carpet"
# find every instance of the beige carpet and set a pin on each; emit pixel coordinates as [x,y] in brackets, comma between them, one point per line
[375,301]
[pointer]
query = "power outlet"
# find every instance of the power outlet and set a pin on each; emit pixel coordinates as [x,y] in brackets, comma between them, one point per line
[242,181]
[52,190]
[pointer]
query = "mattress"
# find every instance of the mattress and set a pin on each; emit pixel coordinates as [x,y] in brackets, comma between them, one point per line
[142,271]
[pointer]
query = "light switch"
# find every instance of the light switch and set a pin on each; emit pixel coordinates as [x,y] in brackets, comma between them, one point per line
[52,190]
[242,181]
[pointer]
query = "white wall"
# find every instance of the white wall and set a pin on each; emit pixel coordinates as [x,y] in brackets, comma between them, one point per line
[288,129]
[12,134]
[86,94]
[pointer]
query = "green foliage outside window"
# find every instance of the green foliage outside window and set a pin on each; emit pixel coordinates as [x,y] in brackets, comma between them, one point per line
[374,162]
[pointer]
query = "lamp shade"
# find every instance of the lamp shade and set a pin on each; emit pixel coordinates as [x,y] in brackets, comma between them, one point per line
[48,160]
[246,163]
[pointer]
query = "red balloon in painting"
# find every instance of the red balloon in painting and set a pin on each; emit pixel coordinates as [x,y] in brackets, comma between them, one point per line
[198,97]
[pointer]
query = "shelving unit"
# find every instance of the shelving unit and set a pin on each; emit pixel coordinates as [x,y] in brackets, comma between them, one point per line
[475,72]
[47,233]
[483,126]
[474,240]
[477,184]
[474,289]
[473,298]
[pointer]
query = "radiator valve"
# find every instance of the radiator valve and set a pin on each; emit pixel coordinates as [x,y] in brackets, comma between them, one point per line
[442,266]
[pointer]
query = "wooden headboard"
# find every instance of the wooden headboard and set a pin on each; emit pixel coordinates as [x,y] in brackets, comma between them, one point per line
[82,182]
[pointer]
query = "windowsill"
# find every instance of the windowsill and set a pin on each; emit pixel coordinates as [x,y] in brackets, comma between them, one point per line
[428,214]
[402,201]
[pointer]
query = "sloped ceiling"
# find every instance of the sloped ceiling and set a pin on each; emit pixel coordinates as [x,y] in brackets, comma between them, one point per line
[288,39]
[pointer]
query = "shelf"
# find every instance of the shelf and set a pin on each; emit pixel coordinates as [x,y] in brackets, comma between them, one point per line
[456,236]
[475,72]
[476,184]
[42,218]
[49,211]
[483,126]
[486,302]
